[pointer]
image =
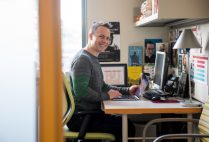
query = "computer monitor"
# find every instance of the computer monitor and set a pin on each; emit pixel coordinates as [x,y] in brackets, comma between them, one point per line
[160,70]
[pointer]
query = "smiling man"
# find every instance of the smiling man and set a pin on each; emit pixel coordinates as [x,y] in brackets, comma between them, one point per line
[90,89]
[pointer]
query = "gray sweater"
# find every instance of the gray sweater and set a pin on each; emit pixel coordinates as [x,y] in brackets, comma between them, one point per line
[87,82]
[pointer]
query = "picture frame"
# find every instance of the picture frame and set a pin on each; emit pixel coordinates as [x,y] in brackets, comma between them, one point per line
[173,35]
[112,52]
[115,74]
[162,46]
[150,51]
[173,55]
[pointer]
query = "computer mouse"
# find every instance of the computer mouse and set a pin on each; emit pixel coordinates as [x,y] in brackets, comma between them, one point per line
[155,98]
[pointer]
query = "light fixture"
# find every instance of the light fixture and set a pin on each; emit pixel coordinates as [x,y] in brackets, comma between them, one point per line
[187,40]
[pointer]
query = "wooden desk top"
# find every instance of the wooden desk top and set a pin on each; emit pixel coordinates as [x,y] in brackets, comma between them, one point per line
[146,107]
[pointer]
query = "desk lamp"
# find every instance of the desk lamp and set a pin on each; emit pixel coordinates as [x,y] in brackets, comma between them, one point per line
[187,40]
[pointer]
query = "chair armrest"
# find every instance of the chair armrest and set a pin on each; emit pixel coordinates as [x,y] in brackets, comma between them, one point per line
[84,127]
[177,136]
[160,120]
[87,117]
[89,112]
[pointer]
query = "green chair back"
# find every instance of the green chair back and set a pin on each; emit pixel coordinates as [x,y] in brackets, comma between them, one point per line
[68,101]
[68,110]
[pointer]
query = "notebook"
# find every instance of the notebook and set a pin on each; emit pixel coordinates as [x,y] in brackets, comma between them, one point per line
[143,85]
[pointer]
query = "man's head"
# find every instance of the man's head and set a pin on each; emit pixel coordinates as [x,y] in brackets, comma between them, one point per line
[149,49]
[99,36]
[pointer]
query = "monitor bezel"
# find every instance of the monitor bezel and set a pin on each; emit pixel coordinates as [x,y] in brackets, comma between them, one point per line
[157,86]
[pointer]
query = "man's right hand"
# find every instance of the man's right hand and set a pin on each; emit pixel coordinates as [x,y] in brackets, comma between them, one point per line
[114,94]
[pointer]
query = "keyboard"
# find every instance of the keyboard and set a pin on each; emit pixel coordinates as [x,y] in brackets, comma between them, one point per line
[154,94]
[126,98]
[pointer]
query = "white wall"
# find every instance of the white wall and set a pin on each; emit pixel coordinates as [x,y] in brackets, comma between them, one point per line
[17,78]
[123,11]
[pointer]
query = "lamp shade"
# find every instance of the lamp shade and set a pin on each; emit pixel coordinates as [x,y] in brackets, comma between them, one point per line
[187,39]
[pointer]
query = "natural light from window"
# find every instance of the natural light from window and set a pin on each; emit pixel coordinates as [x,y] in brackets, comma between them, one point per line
[71,31]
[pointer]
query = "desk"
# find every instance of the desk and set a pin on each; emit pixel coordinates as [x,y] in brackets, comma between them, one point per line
[146,107]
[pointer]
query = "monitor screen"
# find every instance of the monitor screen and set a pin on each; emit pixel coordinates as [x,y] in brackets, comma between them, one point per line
[160,70]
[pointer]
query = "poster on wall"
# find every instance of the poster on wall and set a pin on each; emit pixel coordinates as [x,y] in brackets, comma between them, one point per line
[173,54]
[173,35]
[150,50]
[163,47]
[115,74]
[112,53]
[149,68]
[134,74]
[199,77]
[180,56]
[135,55]
[199,69]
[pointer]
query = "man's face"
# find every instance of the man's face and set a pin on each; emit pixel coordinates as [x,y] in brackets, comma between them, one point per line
[100,39]
[149,49]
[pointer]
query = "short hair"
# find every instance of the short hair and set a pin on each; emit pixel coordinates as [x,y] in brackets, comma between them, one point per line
[95,25]
[148,42]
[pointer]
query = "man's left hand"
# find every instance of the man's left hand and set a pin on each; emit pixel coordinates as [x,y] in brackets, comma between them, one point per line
[133,89]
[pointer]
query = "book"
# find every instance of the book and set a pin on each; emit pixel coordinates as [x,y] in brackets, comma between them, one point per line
[134,73]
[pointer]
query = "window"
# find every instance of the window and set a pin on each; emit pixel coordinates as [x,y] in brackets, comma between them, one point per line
[19,41]
[71,27]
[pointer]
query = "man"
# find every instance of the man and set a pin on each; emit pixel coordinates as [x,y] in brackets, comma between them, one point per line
[89,87]
[134,59]
[149,52]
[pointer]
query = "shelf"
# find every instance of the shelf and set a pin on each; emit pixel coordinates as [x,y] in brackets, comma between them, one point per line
[178,12]
[154,21]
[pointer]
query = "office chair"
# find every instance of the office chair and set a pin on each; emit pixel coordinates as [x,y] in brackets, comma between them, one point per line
[69,107]
[201,131]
